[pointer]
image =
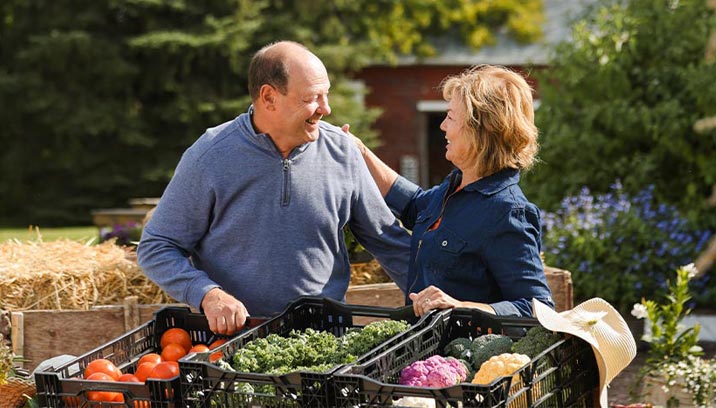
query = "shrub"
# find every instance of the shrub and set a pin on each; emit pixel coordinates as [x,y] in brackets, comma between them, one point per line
[620,100]
[673,349]
[127,234]
[621,248]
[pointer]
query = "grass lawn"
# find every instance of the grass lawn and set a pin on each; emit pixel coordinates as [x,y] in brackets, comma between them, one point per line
[83,234]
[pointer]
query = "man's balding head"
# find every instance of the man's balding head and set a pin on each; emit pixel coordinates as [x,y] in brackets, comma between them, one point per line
[273,64]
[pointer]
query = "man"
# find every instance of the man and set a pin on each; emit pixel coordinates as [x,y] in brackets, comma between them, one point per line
[259,203]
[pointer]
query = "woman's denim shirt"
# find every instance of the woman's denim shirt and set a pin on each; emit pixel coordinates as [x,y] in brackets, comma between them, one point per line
[486,248]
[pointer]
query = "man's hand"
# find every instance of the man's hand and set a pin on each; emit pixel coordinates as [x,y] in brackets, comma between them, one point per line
[226,315]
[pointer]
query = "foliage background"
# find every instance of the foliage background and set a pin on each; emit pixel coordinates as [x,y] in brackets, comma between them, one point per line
[624,177]
[619,102]
[100,97]
[618,107]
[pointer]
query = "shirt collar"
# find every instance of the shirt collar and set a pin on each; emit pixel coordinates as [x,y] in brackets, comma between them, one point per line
[495,182]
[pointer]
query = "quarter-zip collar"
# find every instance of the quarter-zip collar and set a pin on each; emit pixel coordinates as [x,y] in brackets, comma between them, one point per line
[263,140]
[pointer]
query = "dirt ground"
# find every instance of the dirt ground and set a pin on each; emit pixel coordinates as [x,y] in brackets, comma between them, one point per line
[619,390]
[621,385]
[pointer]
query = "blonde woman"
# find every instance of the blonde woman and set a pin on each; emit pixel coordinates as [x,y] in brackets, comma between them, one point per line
[475,237]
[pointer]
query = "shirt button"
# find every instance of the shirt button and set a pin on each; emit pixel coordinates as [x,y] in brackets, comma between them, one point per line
[444,243]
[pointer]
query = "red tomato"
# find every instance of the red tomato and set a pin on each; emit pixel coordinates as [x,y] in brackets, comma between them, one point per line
[176,335]
[102,365]
[199,348]
[128,377]
[144,369]
[153,357]
[105,396]
[165,370]
[173,352]
[216,356]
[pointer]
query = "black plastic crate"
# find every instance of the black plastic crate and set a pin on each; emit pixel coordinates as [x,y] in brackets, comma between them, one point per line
[64,386]
[564,375]
[206,384]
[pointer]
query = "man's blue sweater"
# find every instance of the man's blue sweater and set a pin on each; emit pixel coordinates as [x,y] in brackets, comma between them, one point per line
[239,216]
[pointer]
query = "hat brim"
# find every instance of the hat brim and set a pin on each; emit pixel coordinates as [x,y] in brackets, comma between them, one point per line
[607,331]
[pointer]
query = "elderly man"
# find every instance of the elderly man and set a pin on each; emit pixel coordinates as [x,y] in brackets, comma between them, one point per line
[254,214]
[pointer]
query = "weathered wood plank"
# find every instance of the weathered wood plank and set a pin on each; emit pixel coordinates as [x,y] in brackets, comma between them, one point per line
[47,333]
[388,294]
[376,294]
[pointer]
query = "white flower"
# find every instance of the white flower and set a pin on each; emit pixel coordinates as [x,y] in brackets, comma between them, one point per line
[639,311]
[691,269]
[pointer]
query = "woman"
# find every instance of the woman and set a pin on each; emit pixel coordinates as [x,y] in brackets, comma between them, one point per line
[476,239]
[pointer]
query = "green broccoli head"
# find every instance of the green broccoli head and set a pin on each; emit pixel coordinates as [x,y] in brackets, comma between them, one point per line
[537,340]
[458,347]
[488,345]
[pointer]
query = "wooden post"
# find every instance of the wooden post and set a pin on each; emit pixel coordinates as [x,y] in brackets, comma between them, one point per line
[706,259]
[18,335]
[131,313]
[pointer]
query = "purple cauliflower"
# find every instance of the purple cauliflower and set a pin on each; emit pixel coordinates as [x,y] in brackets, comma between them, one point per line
[435,371]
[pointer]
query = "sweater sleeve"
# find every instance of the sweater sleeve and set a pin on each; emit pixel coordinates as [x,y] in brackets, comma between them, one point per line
[179,221]
[376,228]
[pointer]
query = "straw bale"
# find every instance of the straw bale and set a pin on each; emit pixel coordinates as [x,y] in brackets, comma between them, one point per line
[70,275]
[368,273]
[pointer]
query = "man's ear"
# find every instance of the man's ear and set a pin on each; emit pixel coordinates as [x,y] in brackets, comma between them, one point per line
[267,96]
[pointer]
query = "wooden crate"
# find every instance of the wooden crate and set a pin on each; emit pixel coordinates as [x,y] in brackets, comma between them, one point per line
[37,335]
[560,282]
[388,294]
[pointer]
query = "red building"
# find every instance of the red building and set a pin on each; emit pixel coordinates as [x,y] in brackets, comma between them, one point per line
[413,108]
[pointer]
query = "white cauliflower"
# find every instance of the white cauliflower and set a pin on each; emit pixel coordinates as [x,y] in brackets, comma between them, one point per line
[418,402]
[502,365]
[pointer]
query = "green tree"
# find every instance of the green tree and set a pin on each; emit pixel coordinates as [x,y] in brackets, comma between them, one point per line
[100,97]
[619,103]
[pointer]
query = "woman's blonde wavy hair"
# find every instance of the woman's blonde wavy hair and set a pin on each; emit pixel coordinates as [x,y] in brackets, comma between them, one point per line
[499,114]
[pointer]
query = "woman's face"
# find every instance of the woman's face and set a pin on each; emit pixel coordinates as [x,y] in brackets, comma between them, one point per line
[457,148]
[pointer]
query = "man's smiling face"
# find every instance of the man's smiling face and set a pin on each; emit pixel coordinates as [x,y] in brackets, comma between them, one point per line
[305,102]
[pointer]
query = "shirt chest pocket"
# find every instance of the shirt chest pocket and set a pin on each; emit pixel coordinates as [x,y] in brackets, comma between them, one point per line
[448,247]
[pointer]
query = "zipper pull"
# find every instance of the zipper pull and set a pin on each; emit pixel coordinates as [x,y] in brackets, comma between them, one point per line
[286,163]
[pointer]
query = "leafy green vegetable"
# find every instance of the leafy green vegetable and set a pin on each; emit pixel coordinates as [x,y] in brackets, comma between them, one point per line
[312,350]
[372,335]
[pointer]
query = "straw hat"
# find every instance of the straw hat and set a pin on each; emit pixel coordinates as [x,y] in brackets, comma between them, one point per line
[599,324]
